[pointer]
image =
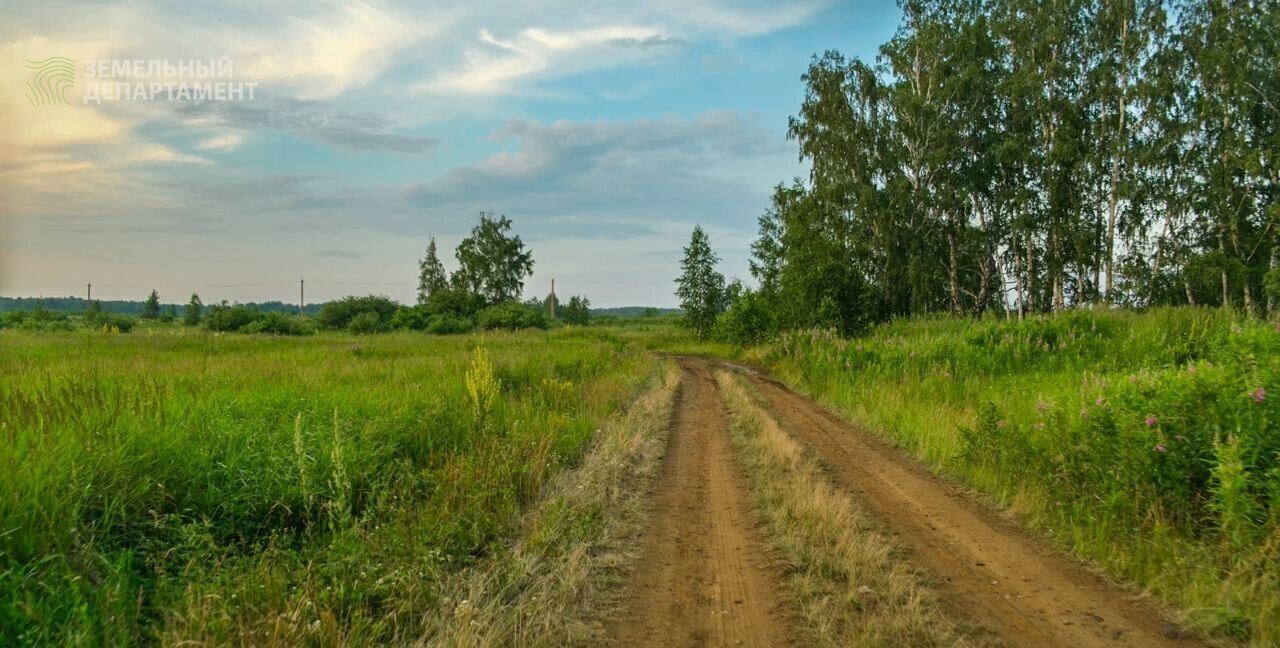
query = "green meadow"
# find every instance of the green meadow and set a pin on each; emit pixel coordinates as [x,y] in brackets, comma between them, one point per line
[170,486]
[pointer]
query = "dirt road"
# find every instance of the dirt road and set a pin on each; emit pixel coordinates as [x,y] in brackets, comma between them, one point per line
[703,578]
[1012,585]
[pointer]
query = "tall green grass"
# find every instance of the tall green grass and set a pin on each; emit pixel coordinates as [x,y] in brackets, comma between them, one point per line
[1149,443]
[175,487]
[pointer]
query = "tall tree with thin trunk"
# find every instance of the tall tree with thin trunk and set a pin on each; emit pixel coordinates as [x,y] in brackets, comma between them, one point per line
[700,287]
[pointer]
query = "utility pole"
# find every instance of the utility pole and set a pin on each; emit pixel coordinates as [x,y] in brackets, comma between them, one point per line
[302,295]
[89,297]
[552,301]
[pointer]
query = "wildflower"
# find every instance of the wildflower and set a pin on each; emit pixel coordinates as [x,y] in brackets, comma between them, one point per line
[1151,420]
[1160,448]
[911,355]
[1191,368]
[1133,378]
[1258,395]
[1000,424]
[1099,401]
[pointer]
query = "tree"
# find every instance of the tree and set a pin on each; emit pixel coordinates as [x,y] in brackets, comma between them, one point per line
[151,309]
[191,316]
[578,311]
[700,288]
[432,278]
[491,262]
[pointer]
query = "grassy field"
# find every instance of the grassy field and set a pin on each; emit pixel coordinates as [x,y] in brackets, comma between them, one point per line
[173,487]
[1149,443]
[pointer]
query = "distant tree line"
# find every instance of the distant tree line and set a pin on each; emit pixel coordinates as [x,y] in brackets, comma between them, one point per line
[1024,156]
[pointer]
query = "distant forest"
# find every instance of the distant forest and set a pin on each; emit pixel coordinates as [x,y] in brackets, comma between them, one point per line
[130,307]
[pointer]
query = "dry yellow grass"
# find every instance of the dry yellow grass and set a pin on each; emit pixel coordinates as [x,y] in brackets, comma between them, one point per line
[553,586]
[845,582]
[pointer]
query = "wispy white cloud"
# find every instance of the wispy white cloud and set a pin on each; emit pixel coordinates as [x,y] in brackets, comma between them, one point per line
[228,142]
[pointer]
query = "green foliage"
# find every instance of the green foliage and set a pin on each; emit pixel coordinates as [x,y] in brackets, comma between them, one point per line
[432,278]
[339,314]
[194,310]
[492,263]
[1150,443]
[512,316]
[747,321]
[278,324]
[151,309]
[365,323]
[224,317]
[449,325]
[700,288]
[577,311]
[1009,155]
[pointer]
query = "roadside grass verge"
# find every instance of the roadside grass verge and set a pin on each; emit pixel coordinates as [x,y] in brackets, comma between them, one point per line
[1146,443]
[553,585]
[847,585]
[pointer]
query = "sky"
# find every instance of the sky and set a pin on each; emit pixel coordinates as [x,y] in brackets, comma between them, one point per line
[605,130]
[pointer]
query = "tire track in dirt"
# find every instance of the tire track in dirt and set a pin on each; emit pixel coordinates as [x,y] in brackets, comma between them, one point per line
[1024,592]
[703,577]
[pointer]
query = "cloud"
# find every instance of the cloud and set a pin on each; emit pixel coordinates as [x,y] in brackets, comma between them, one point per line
[351,130]
[229,142]
[495,66]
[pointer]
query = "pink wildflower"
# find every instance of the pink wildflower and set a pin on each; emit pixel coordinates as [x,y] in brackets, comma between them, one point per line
[1151,420]
[1099,401]
[1160,448]
[1258,395]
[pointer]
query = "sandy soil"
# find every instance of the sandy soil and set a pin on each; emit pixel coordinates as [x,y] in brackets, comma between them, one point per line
[704,577]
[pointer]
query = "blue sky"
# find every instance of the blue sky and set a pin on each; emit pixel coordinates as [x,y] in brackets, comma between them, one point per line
[605,130]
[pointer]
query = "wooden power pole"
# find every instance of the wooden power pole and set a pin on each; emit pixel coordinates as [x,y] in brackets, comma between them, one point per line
[302,295]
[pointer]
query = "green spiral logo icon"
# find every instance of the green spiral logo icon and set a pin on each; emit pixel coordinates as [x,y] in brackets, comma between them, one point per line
[52,77]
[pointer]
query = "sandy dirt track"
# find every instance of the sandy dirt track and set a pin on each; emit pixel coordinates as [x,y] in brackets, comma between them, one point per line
[1013,585]
[703,578]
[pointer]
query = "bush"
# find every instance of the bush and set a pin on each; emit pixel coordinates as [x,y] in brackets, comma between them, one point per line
[365,323]
[224,318]
[512,316]
[449,325]
[457,303]
[578,311]
[279,324]
[747,321]
[414,318]
[340,314]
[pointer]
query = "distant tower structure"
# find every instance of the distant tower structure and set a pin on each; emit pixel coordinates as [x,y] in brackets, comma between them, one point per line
[551,301]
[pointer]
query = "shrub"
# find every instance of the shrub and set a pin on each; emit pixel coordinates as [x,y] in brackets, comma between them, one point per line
[414,318]
[225,318]
[449,325]
[340,314]
[577,311]
[747,321]
[278,324]
[365,323]
[512,315]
